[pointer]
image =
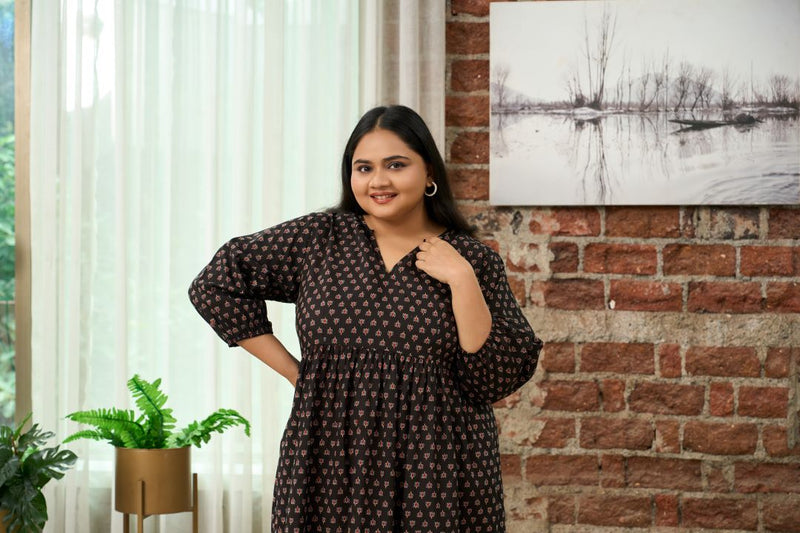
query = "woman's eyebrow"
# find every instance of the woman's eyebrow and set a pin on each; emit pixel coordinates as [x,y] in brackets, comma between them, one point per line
[385,159]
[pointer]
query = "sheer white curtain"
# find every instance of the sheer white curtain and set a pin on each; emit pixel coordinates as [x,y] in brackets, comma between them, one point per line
[159,129]
[402,57]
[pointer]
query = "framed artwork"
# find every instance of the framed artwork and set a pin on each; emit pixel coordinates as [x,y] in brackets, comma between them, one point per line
[645,102]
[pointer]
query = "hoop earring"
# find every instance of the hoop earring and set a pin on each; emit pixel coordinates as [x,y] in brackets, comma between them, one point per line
[435,188]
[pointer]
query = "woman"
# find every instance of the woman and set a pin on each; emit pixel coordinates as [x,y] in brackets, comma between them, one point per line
[408,332]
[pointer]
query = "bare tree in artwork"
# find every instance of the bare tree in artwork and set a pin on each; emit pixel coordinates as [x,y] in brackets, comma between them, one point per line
[727,85]
[500,74]
[597,57]
[779,88]
[702,86]
[682,83]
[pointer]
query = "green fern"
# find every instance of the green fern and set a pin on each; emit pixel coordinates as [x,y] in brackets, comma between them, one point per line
[154,427]
[150,401]
[121,428]
[200,433]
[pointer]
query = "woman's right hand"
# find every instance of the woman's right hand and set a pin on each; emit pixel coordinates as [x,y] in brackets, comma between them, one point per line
[269,350]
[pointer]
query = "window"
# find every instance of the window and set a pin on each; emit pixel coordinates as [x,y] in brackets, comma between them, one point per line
[7,371]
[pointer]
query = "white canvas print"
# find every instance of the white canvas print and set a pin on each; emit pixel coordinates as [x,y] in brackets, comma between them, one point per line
[645,102]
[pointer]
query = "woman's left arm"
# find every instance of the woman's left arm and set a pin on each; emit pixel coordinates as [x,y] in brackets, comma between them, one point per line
[441,261]
[500,350]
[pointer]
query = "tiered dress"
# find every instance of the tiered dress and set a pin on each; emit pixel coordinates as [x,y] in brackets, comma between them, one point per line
[392,428]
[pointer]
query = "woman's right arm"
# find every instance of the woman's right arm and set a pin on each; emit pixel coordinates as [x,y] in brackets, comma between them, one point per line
[230,292]
[270,351]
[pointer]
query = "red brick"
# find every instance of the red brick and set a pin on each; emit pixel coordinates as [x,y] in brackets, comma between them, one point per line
[719,477]
[565,257]
[622,358]
[660,473]
[517,285]
[783,297]
[667,514]
[562,470]
[556,433]
[782,514]
[488,220]
[720,439]
[776,442]
[643,222]
[558,357]
[522,257]
[722,223]
[571,221]
[633,259]
[722,361]
[612,471]
[668,436]
[627,433]
[725,297]
[784,223]
[478,8]
[526,508]
[720,399]
[766,261]
[767,477]
[778,361]
[634,295]
[714,260]
[509,401]
[493,244]
[470,147]
[669,360]
[561,509]
[465,111]
[667,398]
[618,511]
[469,75]
[467,38]
[613,395]
[573,294]
[764,402]
[720,513]
[580,396]
[469,183]
[511,468]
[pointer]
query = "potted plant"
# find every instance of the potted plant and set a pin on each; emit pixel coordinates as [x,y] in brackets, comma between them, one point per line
[27,465]
[153,461]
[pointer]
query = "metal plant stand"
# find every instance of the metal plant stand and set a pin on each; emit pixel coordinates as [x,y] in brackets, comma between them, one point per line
[140,510]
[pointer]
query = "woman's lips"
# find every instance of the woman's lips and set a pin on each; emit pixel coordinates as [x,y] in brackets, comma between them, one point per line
[382,198]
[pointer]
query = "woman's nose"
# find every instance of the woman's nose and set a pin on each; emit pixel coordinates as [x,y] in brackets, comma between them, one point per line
[379,178]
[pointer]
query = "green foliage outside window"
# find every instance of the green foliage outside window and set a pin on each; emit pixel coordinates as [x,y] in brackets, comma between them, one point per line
[7,194]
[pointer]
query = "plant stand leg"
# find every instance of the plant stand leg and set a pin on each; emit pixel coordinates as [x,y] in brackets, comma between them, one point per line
[194,503]
[140,514]
[126,523]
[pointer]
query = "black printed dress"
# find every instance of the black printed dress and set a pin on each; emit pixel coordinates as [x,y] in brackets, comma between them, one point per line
[392,428]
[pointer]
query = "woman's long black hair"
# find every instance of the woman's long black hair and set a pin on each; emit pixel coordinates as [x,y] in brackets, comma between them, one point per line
[409,126]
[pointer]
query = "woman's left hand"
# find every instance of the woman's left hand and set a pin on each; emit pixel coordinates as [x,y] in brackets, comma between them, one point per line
[437,258]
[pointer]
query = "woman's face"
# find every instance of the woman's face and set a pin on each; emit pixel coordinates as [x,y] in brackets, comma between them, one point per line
[389,178]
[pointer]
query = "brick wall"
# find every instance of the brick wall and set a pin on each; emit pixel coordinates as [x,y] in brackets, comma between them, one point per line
[667,395]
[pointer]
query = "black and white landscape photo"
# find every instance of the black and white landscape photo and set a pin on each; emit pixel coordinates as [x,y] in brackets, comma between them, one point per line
[645,102]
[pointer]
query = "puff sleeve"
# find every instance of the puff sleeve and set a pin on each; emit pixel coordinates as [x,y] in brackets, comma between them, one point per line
[229,292]
[508,358]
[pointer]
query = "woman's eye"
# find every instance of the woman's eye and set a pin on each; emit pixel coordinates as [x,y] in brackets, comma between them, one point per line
[363,169]
[396,164]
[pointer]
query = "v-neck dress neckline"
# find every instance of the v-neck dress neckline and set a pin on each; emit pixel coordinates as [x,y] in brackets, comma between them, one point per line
[376,249]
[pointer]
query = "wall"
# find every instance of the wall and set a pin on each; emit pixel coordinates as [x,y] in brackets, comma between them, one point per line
[667,396]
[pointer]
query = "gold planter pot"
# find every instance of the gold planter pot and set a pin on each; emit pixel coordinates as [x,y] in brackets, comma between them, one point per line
[149,482]
[3,514]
